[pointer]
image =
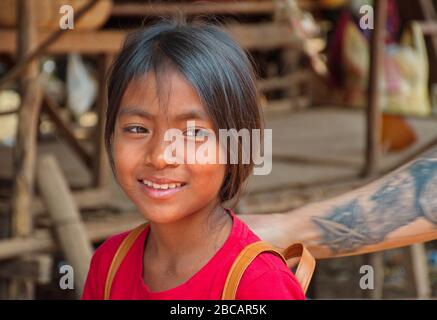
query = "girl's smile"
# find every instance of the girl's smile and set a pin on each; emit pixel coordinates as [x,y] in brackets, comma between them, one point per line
[161,188]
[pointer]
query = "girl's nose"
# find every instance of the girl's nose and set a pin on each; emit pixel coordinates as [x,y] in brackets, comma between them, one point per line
[156,153]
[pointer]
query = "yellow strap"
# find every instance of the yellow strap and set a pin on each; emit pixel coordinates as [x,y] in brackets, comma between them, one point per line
[303,274]
[122,250]
[306,266]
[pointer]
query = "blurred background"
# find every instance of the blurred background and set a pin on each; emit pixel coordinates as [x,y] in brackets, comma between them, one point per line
[332,131]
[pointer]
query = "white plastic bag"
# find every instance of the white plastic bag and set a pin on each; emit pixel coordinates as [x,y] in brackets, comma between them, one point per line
[81,86]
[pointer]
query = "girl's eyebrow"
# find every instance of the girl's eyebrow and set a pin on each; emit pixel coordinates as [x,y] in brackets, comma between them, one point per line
[186,115]
[192,114]
[135,111]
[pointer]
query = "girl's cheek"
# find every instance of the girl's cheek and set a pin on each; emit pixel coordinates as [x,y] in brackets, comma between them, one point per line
[208,166]
[124,158]
[209,176]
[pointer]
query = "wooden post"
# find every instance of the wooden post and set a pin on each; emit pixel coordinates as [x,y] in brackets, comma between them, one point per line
[373,94]
[70,230]
[4,234]
[101,163]
[376,261]
[25,149]
[374,120]
[429,14]
[417,271]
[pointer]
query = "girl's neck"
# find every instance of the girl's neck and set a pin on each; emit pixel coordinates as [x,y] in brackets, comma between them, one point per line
[208,227]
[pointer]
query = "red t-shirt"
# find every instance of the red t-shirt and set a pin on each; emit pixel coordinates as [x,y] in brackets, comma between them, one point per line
[267,277]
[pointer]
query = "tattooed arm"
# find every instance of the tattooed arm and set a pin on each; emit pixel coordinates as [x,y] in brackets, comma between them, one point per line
[396,210]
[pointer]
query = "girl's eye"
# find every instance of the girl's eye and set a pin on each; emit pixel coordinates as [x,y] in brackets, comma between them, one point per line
[196,133]
[136,129]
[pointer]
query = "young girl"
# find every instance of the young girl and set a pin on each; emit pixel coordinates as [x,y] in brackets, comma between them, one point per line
[196,79]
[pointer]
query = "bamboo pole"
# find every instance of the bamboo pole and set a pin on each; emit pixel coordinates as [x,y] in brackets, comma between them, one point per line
[69,228]
[25,149]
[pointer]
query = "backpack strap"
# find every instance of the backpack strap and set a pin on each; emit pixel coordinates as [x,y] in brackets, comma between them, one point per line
[121,252]
[303,274]
[306,266]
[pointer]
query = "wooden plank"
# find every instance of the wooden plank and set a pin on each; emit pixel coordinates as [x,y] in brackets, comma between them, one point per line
[313,161]
[286,105]
[263,36]
[173,9]
[53,110]
[86,199]
[66,218]
[42,240]
[429,28]
[90,42]
[283,82]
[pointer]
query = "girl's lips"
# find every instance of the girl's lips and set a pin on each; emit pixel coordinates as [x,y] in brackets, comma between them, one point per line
[162,194]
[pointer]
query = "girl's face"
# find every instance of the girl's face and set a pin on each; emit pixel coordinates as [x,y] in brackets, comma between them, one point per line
[164,191]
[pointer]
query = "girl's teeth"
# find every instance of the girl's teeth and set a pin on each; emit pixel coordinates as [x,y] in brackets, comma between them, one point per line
[162,186]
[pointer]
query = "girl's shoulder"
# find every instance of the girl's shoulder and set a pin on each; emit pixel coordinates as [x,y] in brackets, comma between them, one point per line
[104,254]
[99,266]
[107,249]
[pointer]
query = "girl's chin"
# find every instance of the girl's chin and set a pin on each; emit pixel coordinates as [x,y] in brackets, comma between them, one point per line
[162,214]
